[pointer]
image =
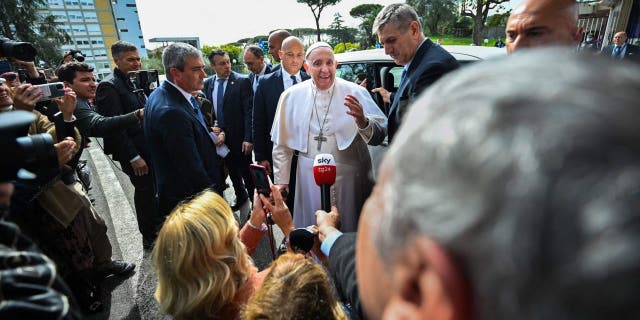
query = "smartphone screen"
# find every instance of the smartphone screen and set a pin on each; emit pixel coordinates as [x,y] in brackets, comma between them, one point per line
[51,90]
[259,175]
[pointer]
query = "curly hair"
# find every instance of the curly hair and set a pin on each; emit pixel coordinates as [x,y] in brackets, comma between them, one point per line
[295,288]
[200,261]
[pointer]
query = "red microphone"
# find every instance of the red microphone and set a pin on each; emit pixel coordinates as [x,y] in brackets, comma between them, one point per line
[324,172]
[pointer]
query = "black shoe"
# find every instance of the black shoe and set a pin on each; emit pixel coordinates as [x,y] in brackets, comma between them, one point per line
[116,268]
[238,204]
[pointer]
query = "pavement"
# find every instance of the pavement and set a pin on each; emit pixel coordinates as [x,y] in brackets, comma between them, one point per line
[112,192]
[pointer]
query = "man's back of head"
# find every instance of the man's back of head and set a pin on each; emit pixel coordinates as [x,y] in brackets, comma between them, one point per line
[530,184]
[538,23]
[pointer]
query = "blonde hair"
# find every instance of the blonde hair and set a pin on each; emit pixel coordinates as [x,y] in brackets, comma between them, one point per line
[295,288]
[199,259]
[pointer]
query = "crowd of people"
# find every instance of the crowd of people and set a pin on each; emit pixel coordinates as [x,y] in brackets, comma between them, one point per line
[509,189]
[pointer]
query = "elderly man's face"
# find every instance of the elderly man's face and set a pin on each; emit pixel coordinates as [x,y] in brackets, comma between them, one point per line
[400,45]
[373,279]
[254,64]
[321,66]
[192,77]
[128,61]
[542,23]
[620,38]
[5,99]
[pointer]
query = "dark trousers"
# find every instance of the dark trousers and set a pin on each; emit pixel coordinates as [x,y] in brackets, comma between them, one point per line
[238,166]
[149,218]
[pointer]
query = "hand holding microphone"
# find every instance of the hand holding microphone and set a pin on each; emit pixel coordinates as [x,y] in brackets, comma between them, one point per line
[324,173]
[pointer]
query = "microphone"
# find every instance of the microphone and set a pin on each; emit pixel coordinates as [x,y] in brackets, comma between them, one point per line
[324,172]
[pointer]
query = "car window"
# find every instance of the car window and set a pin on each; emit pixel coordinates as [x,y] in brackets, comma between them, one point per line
[350,71]
[397,73]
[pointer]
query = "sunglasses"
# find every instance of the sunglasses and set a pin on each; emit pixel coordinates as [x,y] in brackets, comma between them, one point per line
[9,76]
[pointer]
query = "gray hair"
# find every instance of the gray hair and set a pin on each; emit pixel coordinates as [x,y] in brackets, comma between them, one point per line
[120,47]
[400,15]
[527,171]
[175,55]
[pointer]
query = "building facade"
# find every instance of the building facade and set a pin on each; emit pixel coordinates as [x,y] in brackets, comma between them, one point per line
[93,27]
[604,18]
[126,13]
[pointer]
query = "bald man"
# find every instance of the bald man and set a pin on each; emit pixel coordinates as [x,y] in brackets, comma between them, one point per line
[621,50]
[542,23]
[275,44]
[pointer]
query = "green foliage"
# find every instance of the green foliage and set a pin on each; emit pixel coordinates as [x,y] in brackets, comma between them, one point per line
[463,27]
[316,7]
[235,55]
[20,20]
[434,15]
[498,19]
[368,13]
[339,33]
[347,46]
[153,62]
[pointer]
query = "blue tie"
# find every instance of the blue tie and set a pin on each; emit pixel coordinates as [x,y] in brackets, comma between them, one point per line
[219,102]
[293,78]
[404,73]
[616,51]
[196,108]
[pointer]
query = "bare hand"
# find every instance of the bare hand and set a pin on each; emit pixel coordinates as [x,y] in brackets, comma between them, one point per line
[221,139]
[6,190]
[216,130]
[266,164]
[257,214]
[327,222]
[355,110]
[26,96]
[141,113]
[386,95]
[29,66]
[279,211]
[67,103]
[247,147]
[65,150]
[139,167]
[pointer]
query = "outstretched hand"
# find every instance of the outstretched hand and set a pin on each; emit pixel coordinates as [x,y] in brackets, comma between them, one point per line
[279,211]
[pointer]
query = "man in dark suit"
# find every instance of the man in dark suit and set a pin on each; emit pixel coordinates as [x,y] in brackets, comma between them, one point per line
[232,99]
[183,153]
[265,103]
[275,44]
[117,95]
[254,59]
[400,32]
[621,50]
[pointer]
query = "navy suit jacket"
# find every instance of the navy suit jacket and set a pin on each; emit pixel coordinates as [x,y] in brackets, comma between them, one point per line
[265,102]
[183,157]
[632,53]
[252,76]
[237,109]
[429,63]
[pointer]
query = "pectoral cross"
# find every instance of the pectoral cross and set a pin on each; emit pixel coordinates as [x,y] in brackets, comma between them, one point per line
[320,138]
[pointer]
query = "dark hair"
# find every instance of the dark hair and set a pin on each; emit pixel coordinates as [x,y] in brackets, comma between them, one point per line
[216,52]
[120,47]
[67,71]
[257,51]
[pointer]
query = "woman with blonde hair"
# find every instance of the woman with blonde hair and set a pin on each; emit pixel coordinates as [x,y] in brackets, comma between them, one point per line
[202,261]
[295,288]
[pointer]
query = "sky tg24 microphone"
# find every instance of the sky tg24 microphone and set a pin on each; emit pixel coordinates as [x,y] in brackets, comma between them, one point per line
[324,173]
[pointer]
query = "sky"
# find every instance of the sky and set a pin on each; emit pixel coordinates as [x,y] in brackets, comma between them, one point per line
[219,22]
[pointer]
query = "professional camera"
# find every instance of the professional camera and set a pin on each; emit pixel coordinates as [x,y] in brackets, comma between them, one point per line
[15,49]
[33,153]
[147,80]
[77,55]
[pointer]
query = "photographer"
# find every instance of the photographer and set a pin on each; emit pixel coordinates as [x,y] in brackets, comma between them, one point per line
[116,95]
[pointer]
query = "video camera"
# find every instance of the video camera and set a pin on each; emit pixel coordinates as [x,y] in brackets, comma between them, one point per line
[15,49]
[77,55]
[146,80]
[34,153]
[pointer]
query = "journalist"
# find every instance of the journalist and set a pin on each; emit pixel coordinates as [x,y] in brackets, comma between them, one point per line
[117,95]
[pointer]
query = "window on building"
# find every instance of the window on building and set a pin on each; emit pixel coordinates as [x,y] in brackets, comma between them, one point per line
[120,19]
[106,65]
[71,2]
[55,3]
[97,41]
[131,5]
[99,53]
[74,15]
[79,28]
[93,29]
[87,3]
[124,30]
[90,16]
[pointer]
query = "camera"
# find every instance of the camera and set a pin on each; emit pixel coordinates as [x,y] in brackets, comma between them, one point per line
[34,153]
[146,80]
[77,55]
[51,90]
[15,49]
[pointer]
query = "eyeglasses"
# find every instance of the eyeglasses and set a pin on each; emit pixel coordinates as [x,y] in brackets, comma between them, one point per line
[9,76]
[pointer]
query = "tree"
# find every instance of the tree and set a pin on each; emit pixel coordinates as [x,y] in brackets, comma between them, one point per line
[339,33]
[434,14]
[316,7]
[21,21]
[368,13]
[478,10]
[498,19]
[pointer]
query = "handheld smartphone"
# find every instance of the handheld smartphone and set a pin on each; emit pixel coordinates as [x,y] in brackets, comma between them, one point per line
[51,90]
[260,179]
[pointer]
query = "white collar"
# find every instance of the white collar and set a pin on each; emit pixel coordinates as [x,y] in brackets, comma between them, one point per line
[284,72]
[187,95]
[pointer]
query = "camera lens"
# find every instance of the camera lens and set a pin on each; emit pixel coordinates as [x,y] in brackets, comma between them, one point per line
[38,151]
[20,50]
[78,56]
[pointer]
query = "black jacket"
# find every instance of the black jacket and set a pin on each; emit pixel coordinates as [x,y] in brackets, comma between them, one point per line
[115,97]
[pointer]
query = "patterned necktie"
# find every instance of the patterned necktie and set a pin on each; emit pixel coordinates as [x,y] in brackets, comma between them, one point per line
[293,78]
[196,109]
[402,76]
[616,51]
[220,102]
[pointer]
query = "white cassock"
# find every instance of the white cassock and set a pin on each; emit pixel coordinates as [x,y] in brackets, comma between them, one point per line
[297,125]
